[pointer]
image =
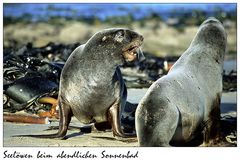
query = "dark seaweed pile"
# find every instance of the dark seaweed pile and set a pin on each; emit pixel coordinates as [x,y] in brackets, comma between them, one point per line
[30,73]
[230,81]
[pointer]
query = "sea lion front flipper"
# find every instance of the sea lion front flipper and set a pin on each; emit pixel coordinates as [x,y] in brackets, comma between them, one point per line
[65,118]
[114,119]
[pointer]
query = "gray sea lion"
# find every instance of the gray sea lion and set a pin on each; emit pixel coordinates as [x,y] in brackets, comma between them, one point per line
[179,106]
[91,85]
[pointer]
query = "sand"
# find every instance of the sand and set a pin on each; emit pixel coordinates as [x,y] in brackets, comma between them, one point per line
[76,138]
[163,41]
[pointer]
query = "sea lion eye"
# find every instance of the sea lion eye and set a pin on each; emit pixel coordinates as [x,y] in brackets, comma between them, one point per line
[119,36]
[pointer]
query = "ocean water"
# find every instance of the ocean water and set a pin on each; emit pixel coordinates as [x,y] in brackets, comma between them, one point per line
[42,11]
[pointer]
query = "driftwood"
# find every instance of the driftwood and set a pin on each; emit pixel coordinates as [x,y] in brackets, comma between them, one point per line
[20,118]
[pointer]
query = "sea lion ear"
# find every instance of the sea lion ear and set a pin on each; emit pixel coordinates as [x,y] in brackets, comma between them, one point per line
[119,36]
[104,38]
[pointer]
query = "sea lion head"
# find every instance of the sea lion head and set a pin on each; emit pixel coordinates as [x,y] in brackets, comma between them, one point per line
[211,34]
[119,44]
[131,49]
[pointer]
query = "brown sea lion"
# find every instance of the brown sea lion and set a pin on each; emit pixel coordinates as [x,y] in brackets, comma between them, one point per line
[91,85]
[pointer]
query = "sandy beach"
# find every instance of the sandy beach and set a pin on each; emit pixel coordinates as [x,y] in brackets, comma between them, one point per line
[78,139]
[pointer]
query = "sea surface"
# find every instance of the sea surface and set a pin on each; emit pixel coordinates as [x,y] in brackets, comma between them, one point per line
[42,11]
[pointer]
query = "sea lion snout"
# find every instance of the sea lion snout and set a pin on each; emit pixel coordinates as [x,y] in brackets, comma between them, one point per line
[132,50]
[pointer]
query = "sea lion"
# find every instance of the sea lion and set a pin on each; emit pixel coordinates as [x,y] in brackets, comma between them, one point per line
[178,107]
[91,85]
